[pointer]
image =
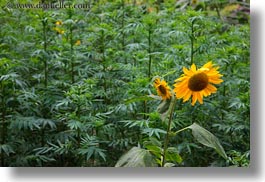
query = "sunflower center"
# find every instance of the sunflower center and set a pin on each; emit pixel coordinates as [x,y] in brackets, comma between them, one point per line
[162,89]
[198,82]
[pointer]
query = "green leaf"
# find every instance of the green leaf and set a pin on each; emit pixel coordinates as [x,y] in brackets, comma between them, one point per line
[169,164]
[136,157]
[172,155]
[157,151]
[74,124]
[7,149]
[154,131]
[207,138]
[165,107]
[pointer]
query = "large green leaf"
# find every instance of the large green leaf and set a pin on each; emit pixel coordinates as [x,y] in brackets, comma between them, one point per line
[136,157]
[172,155]
[165,107]
[207,138]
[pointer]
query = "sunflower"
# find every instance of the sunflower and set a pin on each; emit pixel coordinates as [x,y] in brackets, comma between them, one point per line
[59,22]
[58,30]
[162,88]
[78,42]
[197,83]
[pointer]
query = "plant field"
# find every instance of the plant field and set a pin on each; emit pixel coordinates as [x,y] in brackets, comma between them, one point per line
[125,83]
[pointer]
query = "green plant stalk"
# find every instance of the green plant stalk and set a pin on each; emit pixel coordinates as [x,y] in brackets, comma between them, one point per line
[217,10]
[145,109]
[224,93]
[104,59]
[183,129]
[192,43]
[3,136]
[44,25]
[78,137]
[78,116]
[149,64]
[42,137]
[122,29]
[167,134]
[149,51]
[72,57]
[45,50]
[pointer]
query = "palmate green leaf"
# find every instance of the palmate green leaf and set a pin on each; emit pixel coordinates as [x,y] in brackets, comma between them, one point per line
[46,122]
[7,149]
[136,123]
[25,123]
[61,148]
[89,152]
[136,157]
[207,138]
[75,125]
[154,131]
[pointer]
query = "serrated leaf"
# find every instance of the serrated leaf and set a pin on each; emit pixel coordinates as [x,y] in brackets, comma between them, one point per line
[157,151]
[207,138]
[136,157]
[172,155]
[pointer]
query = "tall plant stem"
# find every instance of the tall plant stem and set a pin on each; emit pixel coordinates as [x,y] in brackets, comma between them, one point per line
[224,93]
[44,26]
[167,134]
[122,29]
[217,10]
[72,57]
[149,63]
[3,132]
[103,58]
[192,43]
[149,51]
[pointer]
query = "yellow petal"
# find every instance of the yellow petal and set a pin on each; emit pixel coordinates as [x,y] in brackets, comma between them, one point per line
[187,72]
[193,68]
[208,65]
[194,98]
[199,95]
[187,96]
[211,88]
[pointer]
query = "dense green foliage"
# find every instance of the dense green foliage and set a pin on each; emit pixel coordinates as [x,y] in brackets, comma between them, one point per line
[76,85]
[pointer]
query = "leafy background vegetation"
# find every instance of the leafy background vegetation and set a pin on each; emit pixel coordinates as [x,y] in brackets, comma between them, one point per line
[74,83]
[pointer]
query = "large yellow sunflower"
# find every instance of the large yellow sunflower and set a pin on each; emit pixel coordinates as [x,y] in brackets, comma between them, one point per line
[197,83]
[162,88]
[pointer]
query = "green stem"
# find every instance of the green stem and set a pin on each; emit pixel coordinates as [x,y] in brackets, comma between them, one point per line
[45,50]
[183,129]
[192,43]
[3,136]
[122,29]
[167,135]
[224,93]
[72,57]
[149,51]
[218,11]
[42,137]
[145,109]
[103,58]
